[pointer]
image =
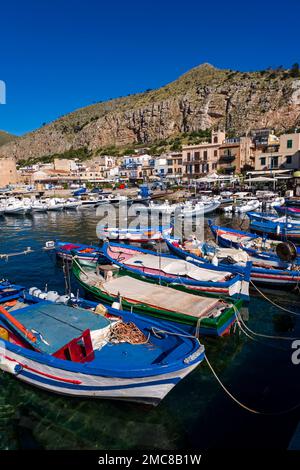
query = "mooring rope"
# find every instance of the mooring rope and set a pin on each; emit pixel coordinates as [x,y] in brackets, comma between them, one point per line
[240,320]
[242,405]
[272,302]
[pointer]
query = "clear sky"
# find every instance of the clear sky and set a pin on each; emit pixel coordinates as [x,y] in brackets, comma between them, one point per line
[59,55]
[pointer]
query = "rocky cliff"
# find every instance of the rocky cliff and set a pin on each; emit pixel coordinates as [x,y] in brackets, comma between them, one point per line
[202,98]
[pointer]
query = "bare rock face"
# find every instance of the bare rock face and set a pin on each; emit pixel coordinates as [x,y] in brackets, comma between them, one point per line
[202,98]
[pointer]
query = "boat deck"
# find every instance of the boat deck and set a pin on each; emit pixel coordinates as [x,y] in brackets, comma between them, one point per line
[55,325]
[161,297]
[167,266]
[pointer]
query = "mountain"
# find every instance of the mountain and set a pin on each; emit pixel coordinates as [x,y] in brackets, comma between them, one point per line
[202,98]
[5,137]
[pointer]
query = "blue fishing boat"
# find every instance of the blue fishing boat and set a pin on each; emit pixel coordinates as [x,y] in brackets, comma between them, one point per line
[79,353]
[292,212]
[280,228]
[267,251]
[169,270]
[263,272]
[88,255]
[9,291]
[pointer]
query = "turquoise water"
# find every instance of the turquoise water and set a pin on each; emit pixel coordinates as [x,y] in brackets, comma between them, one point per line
[196,414]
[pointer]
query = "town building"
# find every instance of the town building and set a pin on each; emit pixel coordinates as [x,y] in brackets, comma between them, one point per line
[282,155]
[202,158]
[236,155]
[8,172]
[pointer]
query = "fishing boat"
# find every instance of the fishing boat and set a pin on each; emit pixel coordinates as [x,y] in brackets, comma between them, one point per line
[169,270]
[140,234]
[265,249]
[88,255]
[210,315]
[79,353]
[281,228]
[292,212]
[9,291]
[265,270]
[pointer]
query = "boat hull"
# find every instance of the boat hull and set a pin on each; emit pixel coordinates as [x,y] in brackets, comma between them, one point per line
[150,390]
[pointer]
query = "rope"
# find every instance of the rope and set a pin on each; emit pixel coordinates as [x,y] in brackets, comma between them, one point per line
[242,405]
[273,303]
[239,319]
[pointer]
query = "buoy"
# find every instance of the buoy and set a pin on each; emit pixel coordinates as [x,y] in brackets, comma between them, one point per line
[4,334]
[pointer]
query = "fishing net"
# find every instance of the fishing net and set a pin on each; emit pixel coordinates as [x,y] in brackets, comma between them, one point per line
[127,333]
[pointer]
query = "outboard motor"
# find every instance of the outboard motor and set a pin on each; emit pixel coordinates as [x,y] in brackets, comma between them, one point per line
[286,251]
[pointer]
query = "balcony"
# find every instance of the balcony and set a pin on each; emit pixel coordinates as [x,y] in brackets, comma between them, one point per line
[226,158]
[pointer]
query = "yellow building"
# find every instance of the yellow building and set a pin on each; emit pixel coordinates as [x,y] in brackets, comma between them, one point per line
[8,172]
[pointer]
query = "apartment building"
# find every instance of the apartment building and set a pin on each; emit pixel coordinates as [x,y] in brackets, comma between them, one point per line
[283,155]
[174,165]
[236,154]
[202,158]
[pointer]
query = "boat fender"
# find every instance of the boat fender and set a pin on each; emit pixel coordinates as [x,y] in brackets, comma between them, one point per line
[52,296]
[34,291]
[215,261]
[10,366]
[116,305]
[277,229]
[4,334]
[63,299]
[42,295]
[101,310]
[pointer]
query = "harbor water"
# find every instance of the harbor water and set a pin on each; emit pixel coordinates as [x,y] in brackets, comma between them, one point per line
[197,413]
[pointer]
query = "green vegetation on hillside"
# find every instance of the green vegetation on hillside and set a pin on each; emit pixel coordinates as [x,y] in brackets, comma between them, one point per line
[5,137]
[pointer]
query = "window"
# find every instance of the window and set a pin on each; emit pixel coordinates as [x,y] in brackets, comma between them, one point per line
[188,156]
[205,155]
[215,153]
[197,168]
[180,161]
[170,170]
[170,162]
[215,140]
[197,156]
[288,159]
[263,161]
[274,162]
[289,144]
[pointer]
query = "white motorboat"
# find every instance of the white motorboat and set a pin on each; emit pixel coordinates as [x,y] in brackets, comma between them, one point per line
[249,206]
[15,207]
[55,205]
[72,204]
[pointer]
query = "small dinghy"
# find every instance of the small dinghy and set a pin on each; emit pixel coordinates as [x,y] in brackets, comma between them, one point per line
[79,353]
[88,255]
[72,204]
[171,271]
[208,315]
[139,235]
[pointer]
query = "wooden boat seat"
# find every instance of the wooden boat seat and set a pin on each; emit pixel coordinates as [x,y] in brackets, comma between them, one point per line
[159,296]
[176,268]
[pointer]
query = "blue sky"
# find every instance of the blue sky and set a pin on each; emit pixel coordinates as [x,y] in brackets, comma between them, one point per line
[59,55]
